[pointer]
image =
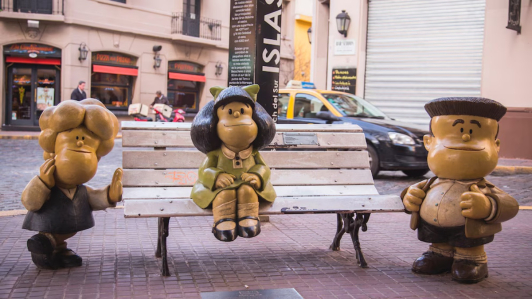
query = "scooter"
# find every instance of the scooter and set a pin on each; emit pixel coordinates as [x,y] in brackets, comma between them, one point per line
[139,112]
[165,113]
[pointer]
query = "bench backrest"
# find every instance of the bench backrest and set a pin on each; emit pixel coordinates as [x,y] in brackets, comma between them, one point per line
[306,160]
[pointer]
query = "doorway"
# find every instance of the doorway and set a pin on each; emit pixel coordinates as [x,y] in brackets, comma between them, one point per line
[30,90]
[191,19]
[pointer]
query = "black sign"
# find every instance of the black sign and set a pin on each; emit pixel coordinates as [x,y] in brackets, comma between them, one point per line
[344,80]
[32,50]
[255,48]
[252,294]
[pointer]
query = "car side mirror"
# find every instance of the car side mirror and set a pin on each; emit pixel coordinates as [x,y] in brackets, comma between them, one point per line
[328,116]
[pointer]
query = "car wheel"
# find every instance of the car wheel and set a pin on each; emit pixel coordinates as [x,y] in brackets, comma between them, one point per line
[373,160]
[415,172]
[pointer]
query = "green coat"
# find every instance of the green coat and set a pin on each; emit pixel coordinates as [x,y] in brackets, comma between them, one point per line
[203,192]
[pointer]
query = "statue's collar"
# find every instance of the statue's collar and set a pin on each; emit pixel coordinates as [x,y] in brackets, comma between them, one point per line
[229,154]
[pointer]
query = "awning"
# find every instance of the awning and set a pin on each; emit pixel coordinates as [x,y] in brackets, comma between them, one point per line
[115,70]
[47,61]
[186,77]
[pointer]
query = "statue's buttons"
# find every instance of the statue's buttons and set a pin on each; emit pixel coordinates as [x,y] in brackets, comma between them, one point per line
[435,219]
[237,163]
[436,204]
[237,158]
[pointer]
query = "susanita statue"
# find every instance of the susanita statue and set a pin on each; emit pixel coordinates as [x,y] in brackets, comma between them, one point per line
[74,136]
[458,211]
[231,130]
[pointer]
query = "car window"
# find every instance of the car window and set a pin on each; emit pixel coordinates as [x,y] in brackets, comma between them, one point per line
[350,105]
[307,106]
[282,105]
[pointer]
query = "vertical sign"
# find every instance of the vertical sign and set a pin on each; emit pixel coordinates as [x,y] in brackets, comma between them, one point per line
[344,80]
[255,48]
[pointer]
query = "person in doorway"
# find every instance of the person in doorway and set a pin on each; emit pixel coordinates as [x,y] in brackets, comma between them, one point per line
[159,99]
[79,94]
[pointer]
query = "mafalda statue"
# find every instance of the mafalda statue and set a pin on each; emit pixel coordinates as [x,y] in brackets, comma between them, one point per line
[75,135]
[459,211]
[231,130]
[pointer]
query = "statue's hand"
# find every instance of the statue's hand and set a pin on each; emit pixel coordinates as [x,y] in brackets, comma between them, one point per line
[251,178]
[46,173]
[475,204]
[414,197]
[223,180]
[115,189]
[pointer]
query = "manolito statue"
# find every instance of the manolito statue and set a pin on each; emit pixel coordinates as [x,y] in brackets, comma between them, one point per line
[74,136]
[459,211]
[231,130]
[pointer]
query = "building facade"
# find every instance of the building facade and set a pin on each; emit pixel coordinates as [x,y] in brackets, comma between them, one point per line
[125,51]
[403,54]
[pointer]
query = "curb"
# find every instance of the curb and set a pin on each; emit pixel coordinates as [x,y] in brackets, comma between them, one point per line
[504,170]
[33,137]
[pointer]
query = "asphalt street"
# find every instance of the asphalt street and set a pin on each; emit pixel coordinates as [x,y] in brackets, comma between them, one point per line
[20,161]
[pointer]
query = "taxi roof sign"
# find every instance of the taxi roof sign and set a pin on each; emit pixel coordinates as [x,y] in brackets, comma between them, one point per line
[295,84]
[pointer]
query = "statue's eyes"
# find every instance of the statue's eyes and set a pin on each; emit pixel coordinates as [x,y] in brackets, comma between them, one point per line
[77,137]
[230,111]
[83,138]
[462,130]
[241,110]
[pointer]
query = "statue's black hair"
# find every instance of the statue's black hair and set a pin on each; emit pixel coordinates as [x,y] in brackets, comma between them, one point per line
[466,106]
[205,137]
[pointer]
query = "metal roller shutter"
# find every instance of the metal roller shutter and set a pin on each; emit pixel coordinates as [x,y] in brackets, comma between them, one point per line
[419,50]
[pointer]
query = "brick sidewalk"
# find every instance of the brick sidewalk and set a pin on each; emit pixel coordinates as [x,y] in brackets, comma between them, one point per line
[291,252]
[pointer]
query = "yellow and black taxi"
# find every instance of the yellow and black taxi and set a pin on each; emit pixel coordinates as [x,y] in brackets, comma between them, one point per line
[392,145]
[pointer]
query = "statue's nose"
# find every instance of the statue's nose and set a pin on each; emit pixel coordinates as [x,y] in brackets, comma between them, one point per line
[466,137]
[236,114]
[80,143]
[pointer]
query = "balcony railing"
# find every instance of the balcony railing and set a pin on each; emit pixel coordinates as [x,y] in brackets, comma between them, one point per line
[198,27]
[49,7]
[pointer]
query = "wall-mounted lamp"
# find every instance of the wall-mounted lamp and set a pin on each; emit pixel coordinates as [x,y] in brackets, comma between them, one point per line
[342,22]
[157,59]
[219,68]
[514,15]
[83,52]
[309,33]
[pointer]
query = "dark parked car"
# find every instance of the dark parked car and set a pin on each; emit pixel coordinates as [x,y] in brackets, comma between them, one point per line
[392,145]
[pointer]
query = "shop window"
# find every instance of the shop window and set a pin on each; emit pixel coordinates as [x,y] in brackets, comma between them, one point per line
[111,89]
[183,94]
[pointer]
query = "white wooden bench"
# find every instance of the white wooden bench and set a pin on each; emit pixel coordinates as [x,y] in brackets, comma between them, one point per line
[315,169]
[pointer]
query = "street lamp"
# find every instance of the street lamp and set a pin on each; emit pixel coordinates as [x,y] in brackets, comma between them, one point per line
[83,52]
[157,59]
[309,33]
[342,22]
[219,68]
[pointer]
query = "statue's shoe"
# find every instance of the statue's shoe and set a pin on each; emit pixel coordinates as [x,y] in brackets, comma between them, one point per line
[249,231]
[45,261]
[40,244]
[68,258]
[466,271]
[432,263]
[224,235]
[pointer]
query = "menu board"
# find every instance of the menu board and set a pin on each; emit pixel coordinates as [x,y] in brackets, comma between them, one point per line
[344,80]
[255,48]
[242,42]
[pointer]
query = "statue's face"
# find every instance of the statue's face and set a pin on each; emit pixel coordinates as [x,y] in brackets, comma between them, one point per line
[236,127]
[75,161]
[463,147]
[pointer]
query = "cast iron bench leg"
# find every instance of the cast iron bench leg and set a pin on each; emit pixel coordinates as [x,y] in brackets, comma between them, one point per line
[161,244]
[340,230]
[360,221]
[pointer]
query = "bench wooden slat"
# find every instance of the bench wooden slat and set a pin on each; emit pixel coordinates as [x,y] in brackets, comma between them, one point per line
[186,207]
[158,138]
[157,193]
[275,159]
[279,177]
[137,125]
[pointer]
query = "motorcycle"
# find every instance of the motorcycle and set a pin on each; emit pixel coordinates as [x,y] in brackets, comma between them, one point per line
[163,113]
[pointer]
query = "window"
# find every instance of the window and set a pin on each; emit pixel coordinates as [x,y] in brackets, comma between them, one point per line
[307,106]
[112,90]
[183,94]
[282,105]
